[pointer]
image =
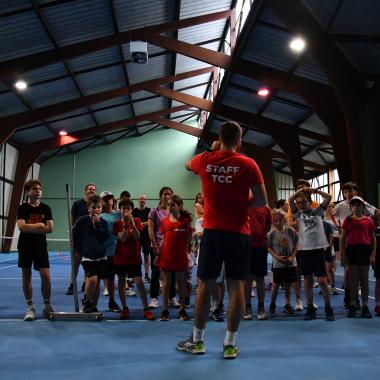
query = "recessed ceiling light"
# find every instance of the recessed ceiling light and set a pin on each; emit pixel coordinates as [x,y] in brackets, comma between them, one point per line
[298,44]
[62,133]
[263,92]
[21,85]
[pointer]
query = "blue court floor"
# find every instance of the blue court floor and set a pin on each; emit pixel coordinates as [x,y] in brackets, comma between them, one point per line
[282,347]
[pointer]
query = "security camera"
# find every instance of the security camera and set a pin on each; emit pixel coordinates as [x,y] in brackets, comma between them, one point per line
[139,51]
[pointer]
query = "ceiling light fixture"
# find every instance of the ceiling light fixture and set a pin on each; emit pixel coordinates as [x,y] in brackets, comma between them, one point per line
[297,44]
[21,85]
[62,133]
[263,92]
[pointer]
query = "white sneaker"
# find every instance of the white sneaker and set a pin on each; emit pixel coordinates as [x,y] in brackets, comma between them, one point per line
[334,291]
[47,308]
[315,306]
[30,314]
[174,303]
[153,303]
[247,313]
[105,292]
[253,293]
[299,306]
[315,285]
[130,292]
[254,284]
[261,316]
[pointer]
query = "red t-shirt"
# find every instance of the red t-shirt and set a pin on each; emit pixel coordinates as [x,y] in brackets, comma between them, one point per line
[173,254]
[226,179]
[260,221]
[359,231]
[128,252]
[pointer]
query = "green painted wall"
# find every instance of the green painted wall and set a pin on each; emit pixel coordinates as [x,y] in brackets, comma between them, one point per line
[139,165]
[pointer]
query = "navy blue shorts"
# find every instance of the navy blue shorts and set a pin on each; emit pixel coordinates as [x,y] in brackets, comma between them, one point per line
[312,262]
[258,261]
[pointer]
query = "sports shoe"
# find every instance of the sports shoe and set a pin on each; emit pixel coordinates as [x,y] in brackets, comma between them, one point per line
[149,315]
[365,313]
[330,316]
[377,311]
[164,315]
[261,316]
[299,306]
[254,285]
[30,314]
[346,304]
[88,307]
[315,306]
[70,290]
[113,306]
[174,303]
[247,313]
[197,348]
[269,286]
[288,309]
[187,303]
[105,292]
[153,303]
[230,352]
[124,314]
[334,291]
[315,285]
[183,316]
[217,315]
[147,279]
[47,308]
[351,313]
[130,292]
[310,314]
[272,308]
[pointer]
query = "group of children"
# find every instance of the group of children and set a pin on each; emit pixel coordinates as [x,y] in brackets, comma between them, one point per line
[108,239]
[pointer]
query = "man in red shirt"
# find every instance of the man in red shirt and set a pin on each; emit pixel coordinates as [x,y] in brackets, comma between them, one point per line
[227,178]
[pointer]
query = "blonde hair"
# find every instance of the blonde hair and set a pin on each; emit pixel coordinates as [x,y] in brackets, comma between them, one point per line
[279,211]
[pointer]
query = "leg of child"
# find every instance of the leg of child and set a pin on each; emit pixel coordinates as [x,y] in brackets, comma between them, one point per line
[180,276]
[354,283]
[90,290]
[260,287]
[363,278]
[121,286]
[166,280]
[248,291]
[347,283]
[288,286]
[275,288]
[308,286]
[142,292]
[322,281]
[111,288]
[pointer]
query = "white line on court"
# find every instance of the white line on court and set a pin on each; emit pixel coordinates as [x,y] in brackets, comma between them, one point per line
[50,258]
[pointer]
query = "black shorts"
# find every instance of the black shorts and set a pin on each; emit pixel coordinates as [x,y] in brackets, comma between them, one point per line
[328,256]
[336,243]
[377,264]
[358,254]
[95,268]
[258,265]
[286,275]
[27,257]
[133,270]
[146,247]
[229,247]
[109,270]
[312,262]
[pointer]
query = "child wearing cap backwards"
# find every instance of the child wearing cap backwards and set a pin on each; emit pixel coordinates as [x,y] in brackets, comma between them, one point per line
[340,212]
[358,247]
[283,245]
[312,242]
[111,216]
[127,258]
[89,234]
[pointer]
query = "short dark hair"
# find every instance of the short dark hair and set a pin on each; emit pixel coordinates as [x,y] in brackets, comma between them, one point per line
[29,184]
[302,182]
[350,186]
[125,203]
[280,203]
[229,133]
[125,194]
[93,199]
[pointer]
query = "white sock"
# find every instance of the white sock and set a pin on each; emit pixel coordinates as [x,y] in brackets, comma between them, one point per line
[30,302]
[198,335]
[230,339]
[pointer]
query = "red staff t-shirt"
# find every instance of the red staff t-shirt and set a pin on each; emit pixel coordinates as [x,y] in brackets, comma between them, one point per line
[260,222]
[226,179]
[173,253]
[128,252]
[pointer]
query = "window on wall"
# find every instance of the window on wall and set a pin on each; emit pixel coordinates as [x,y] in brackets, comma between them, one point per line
[284,184]
[329,183]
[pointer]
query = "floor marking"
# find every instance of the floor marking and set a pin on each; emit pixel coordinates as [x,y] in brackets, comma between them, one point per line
[15,265]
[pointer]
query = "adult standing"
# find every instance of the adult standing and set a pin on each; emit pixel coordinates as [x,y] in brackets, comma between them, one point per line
[78,209]
[227,178]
